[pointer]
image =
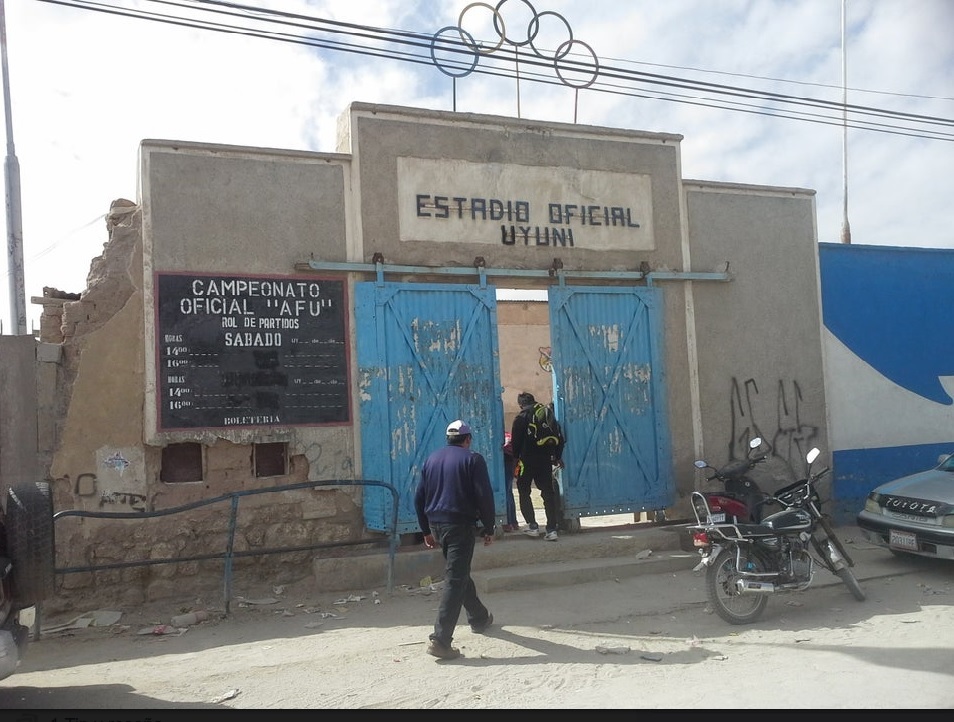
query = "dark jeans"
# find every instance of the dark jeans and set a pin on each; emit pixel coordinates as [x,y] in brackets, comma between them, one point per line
[540,472]
[457,545]
[509,463]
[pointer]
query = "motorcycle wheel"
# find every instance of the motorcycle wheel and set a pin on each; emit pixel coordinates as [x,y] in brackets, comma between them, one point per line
[830,533]
[845,574]
[723,593]
[848,578]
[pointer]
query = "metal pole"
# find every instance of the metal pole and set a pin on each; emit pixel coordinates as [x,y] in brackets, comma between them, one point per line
[11,174]
[845,227]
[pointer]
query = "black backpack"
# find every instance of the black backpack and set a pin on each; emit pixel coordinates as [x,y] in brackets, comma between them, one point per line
[542,427]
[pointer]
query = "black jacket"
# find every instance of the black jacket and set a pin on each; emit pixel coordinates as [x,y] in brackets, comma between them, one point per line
[523,448]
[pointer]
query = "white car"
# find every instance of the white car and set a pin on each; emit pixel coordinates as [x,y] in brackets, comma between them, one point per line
[913,514]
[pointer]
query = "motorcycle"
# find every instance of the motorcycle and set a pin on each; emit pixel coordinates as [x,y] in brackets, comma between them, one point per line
[746,562]
[741,499]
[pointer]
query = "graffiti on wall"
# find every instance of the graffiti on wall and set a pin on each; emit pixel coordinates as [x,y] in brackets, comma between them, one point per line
[789,434]
[545,360]
[135,502]
[87,485]
[117,462]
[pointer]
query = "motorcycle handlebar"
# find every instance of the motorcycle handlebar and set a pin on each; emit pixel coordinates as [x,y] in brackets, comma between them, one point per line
[737,468]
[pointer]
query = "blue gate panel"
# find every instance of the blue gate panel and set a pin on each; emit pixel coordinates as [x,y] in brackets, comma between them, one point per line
[427,355]
[608,360]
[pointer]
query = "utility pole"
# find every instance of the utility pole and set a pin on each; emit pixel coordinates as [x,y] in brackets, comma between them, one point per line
[11,174]
[845,227]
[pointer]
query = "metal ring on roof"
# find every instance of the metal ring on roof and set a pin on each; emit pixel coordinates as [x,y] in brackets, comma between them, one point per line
[455,47]
[595,66]
[501,31]
[534,28]
[500,35]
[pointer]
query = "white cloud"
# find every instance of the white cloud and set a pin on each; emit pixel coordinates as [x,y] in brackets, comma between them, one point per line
[87,87]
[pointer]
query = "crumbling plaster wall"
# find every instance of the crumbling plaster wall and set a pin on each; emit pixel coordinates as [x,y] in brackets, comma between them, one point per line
[98,461]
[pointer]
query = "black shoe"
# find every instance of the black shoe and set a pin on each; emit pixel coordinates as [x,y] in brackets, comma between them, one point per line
[483,626]
[442,651]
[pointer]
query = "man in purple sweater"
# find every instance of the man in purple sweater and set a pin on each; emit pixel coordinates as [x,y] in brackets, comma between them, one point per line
[453,494]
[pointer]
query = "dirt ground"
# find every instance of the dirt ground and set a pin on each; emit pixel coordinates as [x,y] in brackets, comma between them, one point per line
[643,642]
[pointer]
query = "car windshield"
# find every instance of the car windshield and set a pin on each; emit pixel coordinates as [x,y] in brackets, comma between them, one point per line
[947,464]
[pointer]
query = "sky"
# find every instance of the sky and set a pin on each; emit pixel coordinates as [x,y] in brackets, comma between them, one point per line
[87,87]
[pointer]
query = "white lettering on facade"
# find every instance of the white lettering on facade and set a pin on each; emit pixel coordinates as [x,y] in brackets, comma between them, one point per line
[249,339]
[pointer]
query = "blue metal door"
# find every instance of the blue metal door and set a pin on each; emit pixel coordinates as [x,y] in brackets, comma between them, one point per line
[427,355]
[608,364]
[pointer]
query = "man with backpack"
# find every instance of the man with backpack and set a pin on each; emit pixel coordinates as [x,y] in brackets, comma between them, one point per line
[537,446]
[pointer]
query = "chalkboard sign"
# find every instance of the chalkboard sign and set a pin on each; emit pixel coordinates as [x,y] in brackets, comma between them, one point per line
[237,351]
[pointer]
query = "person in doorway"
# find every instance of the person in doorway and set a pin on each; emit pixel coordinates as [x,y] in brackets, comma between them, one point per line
[454,492]
[509,467]
[535,466]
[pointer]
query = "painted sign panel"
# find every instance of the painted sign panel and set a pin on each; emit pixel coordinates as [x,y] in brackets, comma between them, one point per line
[235,351]
[522,206]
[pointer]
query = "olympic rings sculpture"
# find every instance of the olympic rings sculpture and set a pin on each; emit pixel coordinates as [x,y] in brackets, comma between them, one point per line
[467,46]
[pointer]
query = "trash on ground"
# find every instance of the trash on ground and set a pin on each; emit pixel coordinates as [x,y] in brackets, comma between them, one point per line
[263,600]
[612,650]
[190,618]
[161,629]
[98,618]
[652,657]
[644,554]
[231,694]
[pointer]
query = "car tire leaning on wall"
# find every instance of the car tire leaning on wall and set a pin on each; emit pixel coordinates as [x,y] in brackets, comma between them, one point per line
[29,523]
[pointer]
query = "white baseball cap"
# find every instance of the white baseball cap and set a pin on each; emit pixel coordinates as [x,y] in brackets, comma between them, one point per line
[458,428]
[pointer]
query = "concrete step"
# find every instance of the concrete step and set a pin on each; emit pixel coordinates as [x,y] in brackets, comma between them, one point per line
[519,563]
[516,561]
[581,571]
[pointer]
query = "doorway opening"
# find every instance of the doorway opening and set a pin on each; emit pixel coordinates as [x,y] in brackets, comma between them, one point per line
[524,341]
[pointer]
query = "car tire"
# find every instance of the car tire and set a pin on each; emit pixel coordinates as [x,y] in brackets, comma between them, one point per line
[30,543]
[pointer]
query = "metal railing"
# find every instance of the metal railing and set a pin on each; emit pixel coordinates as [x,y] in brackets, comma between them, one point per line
[230,554]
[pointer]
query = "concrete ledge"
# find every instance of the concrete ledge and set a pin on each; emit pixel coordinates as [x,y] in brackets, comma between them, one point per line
[580,571]
[515,554]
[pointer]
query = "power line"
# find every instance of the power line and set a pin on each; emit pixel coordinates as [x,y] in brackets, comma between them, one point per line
[457,56]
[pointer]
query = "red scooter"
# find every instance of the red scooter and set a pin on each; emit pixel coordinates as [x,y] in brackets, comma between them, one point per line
[741,500]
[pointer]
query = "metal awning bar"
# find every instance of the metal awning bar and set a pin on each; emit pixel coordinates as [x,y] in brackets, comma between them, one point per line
[379,269]
[692,276]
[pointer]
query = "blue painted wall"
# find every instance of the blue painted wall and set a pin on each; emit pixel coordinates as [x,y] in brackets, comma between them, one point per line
[888,317]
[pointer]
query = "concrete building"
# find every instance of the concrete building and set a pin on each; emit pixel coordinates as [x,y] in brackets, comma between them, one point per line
[262,317]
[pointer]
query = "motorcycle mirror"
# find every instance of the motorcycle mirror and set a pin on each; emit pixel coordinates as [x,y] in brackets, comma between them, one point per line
[700,464]
[755,443]
[812,455]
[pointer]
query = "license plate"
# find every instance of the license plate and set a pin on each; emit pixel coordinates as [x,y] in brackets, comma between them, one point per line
[902,540]
[718,518]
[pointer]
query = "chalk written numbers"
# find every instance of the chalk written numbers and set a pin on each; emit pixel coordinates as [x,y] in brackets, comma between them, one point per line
[237,351]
